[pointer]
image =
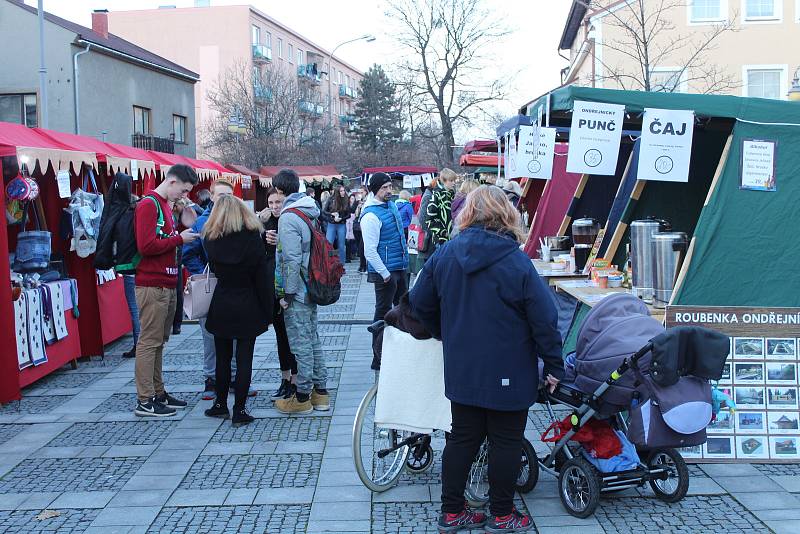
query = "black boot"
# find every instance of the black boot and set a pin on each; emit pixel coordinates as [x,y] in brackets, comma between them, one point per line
[281,390]
[218,410]
[131,353]
[241,417]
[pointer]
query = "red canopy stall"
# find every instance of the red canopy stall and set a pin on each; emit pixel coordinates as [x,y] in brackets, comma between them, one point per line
[42,156]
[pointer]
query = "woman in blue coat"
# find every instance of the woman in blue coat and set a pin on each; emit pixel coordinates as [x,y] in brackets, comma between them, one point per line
[481,295]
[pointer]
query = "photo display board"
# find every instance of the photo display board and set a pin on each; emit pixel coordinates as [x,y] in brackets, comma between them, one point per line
[761,376]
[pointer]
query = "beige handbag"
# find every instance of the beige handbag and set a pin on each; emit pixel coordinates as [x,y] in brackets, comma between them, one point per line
[198,293]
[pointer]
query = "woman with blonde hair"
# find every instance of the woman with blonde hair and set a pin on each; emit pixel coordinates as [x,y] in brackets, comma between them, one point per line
[241,308]
[480,294]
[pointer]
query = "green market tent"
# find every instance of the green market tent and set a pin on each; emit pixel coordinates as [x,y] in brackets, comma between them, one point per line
[742,253]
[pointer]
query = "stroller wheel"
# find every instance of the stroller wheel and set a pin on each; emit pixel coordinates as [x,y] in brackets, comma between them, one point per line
[528,468]
[578,487]
[674,487]
[420,459]
[477,490]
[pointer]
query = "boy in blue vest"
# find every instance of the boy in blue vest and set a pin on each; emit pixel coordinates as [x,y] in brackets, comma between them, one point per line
[384,245]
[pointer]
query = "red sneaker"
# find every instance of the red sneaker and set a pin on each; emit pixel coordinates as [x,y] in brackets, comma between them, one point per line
[513,522]
[464,520]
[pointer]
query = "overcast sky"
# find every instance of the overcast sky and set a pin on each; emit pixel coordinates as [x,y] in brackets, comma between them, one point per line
[528,56]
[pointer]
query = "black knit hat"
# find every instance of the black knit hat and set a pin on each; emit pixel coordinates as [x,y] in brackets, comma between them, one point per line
[377,180]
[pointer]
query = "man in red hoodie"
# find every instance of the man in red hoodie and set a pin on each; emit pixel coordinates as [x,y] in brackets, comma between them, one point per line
[156,279]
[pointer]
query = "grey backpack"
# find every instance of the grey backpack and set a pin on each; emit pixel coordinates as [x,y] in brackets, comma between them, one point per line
[674,416]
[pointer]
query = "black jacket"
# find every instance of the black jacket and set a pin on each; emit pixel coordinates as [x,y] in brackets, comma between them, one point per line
[244,298]
[116,243]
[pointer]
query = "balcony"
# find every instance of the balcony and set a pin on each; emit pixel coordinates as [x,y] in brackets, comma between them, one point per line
[262,93]
[347,121]
[151,142]
[310,109]
[309,73]
[261,53]
[347,92]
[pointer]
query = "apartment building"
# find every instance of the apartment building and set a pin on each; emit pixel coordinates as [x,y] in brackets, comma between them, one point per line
[758,57]
[215,40]
[97,83]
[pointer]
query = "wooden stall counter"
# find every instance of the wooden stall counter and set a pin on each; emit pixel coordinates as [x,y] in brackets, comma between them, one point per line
[587,293]
[544,268]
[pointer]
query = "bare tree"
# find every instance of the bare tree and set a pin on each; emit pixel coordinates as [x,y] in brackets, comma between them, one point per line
[447,40]
[648,40]
[265,118]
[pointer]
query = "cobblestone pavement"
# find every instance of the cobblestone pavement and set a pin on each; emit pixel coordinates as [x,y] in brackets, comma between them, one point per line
[72,446]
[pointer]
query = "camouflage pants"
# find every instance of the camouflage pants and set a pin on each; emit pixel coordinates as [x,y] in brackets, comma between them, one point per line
[301,327]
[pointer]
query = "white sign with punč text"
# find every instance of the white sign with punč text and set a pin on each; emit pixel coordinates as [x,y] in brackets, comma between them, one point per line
[594,138]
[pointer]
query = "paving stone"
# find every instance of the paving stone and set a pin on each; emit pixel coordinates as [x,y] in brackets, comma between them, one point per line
[275,429]
[241,519]
[73,474]
[8,431]
[126,402]
[44,404]
[779,469]
[747,484]
[399,517]
[253,471]
[707,514]
[145,432]
[68,521]
[82,499]
[67,379]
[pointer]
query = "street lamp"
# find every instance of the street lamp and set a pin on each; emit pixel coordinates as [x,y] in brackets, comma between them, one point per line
[368,38]
[794,92]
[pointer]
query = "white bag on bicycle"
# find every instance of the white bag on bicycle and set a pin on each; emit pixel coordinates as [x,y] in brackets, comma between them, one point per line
[411,384]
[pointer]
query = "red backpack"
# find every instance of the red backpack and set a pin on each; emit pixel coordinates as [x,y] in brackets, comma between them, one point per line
[325,270]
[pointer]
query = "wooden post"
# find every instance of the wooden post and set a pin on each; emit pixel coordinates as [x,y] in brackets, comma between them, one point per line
[562,230]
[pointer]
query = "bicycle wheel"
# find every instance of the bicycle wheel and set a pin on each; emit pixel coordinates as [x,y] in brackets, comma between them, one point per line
[477,490]
[378,474]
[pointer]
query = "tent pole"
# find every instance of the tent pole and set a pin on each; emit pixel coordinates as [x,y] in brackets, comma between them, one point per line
[562,230]
[622,226]
[688,260]
[619,189]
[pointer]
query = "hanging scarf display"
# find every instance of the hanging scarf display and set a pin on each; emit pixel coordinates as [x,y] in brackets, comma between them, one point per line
[21,331]
[34,321]
[54,324]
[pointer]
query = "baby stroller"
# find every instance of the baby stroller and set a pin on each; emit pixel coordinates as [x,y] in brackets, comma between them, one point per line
[625,360]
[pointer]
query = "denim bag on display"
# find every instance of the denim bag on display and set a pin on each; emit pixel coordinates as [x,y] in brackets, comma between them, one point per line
[33,246]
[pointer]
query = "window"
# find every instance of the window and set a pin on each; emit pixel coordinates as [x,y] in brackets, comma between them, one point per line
[280,48]
[766,82]
[179,128]
[300,57]
[19,109]
[762,10]
[347,82]
[141,120]
[255,35]
[708,10]
[667,80]
[268,39]
[291,53]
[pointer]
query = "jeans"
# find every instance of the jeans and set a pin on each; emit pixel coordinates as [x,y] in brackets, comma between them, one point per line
[337,232]
[244,369]
[209,351]
[129,281]
[156,311]
[287,360]
[301,326]
[362,259]
[505,431]
[387,294]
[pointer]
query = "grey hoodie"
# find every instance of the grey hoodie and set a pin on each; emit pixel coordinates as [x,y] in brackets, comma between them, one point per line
[294,244]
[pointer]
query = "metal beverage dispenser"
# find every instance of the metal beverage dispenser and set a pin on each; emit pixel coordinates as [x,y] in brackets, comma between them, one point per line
[670,250]
[643,256]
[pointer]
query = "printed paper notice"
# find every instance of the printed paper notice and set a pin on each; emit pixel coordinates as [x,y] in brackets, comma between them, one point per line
[535,156]
[594,138]
[666,146]
[135,169]
[64,189]
[758,165]
[411,181]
